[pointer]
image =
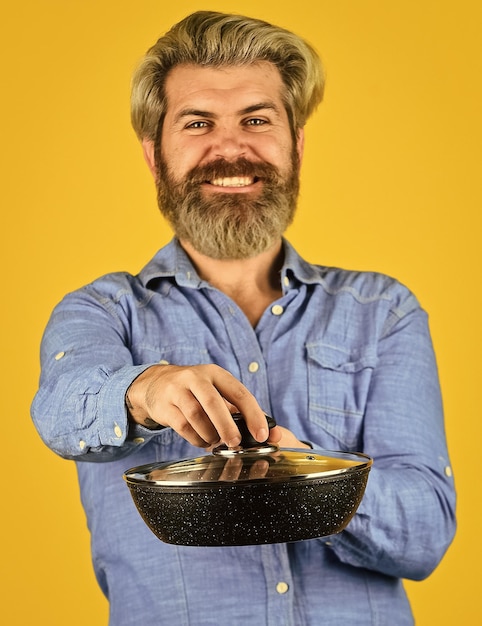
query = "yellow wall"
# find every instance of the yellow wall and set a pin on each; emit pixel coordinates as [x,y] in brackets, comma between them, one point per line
[391,182]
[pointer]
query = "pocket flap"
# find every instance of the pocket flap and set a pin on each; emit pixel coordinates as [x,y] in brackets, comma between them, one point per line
[340,359]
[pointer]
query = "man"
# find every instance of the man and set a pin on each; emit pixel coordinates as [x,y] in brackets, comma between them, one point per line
[228,317]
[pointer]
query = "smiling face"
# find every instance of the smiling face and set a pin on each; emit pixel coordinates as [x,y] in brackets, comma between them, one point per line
[227,166]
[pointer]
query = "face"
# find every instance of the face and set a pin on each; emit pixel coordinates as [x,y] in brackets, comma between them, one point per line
[227,166]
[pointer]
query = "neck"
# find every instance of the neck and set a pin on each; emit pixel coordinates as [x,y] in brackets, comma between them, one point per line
[252,283]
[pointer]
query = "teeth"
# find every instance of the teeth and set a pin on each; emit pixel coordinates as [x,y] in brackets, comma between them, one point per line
[234,181]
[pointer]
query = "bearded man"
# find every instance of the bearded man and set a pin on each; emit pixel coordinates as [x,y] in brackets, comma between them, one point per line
[228,318]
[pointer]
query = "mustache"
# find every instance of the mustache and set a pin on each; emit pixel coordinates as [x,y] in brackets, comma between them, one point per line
[220,168]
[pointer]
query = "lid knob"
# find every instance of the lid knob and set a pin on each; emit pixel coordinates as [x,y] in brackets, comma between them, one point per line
[248,442]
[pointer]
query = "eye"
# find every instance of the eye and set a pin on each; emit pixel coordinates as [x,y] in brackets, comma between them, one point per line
[255,121]
[197,125]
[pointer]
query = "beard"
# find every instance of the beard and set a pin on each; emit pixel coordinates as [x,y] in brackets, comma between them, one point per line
[229,225]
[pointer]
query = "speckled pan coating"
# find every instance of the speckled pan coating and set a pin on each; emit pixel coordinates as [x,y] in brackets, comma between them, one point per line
[257,513]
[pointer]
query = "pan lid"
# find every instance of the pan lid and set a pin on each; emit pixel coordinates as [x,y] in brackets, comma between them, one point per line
[248,463]
[279,465]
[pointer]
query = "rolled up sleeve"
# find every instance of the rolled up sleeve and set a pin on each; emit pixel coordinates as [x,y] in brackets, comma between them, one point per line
[79,409]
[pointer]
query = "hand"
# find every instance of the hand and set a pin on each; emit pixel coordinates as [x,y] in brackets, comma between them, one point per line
[288,439]
[197,402]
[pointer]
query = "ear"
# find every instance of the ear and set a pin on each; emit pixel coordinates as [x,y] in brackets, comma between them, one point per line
[149,156]
[300,144]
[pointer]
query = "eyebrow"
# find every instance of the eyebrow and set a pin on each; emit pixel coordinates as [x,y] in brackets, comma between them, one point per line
[253,108]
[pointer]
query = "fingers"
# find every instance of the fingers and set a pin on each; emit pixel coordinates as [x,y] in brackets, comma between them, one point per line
[275,434]
[198,432]
[196,394]
[239,397]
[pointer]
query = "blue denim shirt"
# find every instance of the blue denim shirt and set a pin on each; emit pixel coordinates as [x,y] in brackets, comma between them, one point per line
[344,360]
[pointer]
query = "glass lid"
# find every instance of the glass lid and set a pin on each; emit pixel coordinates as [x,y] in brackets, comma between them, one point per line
[250,462]
[265,463]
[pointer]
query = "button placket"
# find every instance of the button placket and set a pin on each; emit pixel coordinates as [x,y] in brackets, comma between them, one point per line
[279,582]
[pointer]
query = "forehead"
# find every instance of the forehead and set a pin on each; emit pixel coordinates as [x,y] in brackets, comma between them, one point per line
[193,85]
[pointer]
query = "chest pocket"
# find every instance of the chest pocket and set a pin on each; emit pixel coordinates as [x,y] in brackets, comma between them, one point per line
[338,386]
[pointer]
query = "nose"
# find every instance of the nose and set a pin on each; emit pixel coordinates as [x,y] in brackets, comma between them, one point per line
[229,143]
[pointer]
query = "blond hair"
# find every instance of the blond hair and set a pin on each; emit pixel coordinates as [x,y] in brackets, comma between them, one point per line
[214,39]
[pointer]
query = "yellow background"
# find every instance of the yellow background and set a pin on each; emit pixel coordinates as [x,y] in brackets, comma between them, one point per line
[391,182]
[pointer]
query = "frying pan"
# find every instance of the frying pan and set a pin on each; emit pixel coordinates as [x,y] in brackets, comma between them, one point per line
[253,494]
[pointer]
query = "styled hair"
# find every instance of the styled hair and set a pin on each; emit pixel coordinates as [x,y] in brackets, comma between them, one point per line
[213,39]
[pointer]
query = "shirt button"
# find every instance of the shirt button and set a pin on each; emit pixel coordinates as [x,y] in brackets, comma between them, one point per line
[286,281]
[82,444]
[253,367]
[138,440]
[163,362]
[282,587]
[448,471]
[277,309]
[59,356]
[118,431]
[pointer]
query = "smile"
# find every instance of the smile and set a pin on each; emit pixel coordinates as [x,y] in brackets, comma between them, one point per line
[233,181]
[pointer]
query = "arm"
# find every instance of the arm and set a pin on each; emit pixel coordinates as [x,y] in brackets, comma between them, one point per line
[87,369]
[407,518]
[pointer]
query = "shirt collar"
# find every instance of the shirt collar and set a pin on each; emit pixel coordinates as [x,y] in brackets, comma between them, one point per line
[295,267]
[172,262]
